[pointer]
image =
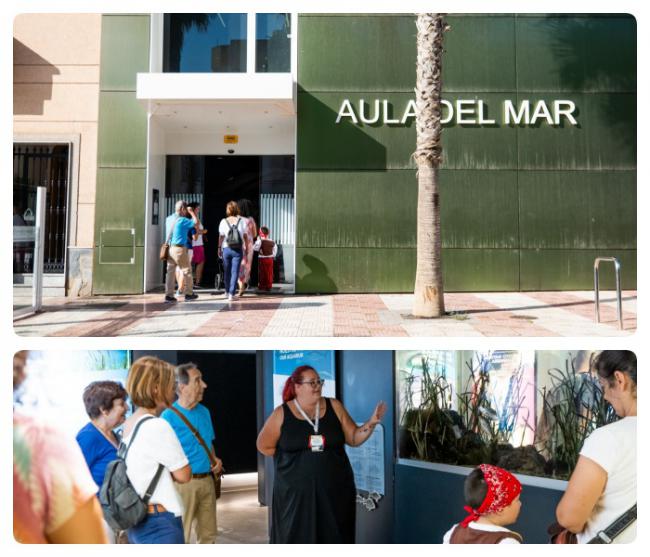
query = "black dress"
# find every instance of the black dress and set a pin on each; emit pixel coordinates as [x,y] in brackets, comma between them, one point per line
[314,496]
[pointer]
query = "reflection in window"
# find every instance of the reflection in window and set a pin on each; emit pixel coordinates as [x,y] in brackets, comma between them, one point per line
[526,412]
[205,43]
[273,43]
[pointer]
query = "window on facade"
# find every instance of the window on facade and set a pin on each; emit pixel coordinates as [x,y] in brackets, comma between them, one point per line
[273,43]
[205,43]
[524,411]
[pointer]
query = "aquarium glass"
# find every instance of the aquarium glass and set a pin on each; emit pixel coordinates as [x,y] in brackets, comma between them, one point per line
[526,411]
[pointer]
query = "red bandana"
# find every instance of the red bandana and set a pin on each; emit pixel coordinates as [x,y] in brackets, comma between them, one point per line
[503,489]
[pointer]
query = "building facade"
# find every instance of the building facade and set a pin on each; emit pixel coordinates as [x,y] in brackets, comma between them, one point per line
[310,117]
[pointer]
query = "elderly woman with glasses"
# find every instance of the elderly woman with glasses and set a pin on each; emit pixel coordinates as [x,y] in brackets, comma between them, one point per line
[314,495]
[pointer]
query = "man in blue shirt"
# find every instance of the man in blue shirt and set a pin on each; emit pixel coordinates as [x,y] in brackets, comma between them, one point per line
[177,228]
[198,495]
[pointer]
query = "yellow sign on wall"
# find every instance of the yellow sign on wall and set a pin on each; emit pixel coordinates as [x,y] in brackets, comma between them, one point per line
[231,139]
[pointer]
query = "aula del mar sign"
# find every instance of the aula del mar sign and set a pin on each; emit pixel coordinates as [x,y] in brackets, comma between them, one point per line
[463,112]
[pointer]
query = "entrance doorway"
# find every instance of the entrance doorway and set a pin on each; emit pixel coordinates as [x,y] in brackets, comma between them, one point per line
[267,181]
[232,401]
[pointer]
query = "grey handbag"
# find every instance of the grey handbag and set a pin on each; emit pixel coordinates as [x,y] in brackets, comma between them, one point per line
[123,508]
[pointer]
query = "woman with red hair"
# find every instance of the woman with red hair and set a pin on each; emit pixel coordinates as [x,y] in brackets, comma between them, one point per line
[314,495]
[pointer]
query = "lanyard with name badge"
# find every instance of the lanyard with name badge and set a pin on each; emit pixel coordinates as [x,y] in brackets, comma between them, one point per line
[316,441]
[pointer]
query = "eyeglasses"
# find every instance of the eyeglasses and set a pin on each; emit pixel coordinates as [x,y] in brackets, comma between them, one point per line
[313,383]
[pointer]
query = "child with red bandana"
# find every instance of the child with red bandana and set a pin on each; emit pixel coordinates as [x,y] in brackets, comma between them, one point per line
[268,249]
[492,497]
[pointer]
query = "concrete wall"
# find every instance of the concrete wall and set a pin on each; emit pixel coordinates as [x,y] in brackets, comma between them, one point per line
[56,97]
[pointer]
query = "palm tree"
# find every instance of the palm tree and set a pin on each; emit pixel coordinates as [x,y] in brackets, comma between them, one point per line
[429,294]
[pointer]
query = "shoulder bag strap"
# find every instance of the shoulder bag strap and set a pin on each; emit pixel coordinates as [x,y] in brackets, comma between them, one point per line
[135,432]
[615,528]
[152,485]
[195,432]
[154,482]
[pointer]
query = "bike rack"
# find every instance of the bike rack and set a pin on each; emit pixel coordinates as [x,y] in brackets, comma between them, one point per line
[619,301]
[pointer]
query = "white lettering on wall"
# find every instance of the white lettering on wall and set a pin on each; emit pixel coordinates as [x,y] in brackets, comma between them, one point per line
[346,110]
[512,117]
[463,112]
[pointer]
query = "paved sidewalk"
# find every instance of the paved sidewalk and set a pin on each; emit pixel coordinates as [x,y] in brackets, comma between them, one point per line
[507,314]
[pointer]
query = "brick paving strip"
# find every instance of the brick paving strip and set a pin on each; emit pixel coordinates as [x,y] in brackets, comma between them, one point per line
[359,316]
[533,314]
[469,315]
[117,320]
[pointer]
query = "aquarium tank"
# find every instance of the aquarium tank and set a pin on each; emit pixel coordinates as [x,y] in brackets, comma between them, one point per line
[526,411]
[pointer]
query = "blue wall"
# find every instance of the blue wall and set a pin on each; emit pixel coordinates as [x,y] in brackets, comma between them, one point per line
[365,378]
[428,503]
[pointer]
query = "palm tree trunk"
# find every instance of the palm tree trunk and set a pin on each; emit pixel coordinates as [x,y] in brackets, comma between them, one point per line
[429,293]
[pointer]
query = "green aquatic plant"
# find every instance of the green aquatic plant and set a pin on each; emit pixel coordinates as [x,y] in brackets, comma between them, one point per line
[572,407]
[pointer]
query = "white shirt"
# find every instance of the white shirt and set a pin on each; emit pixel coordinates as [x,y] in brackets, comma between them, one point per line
[224,227]
[156,443]
[199,239]
[613,448]
[484,528]
[258,245]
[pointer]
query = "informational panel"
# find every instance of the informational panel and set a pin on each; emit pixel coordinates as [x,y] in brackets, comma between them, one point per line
[286,361]
[368,463]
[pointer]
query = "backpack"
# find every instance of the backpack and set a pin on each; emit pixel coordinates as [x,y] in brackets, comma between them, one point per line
[233,238]
[123,508]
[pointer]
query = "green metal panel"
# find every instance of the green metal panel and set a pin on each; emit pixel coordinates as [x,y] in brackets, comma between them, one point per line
[477,209]
[378,146]
[118,263]
[378,209]
[574,269]
[349,145]
[329,270]
[479,54]
[486,146]
[356,52]
[122,137]
[120,201]
[605,137]
[112,278]
[501,186]
[576,53]
[125,51]
[476,270]
[578,210]
[356,209]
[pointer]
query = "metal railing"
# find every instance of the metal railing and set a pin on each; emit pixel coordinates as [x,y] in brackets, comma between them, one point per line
[619,301]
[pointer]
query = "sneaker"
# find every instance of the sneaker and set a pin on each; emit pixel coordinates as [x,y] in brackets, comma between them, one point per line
[190,297]
[170,299]
[230,297]
[179,293]
[198,287]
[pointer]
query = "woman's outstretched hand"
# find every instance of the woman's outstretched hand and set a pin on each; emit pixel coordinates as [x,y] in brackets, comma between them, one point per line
[378,414]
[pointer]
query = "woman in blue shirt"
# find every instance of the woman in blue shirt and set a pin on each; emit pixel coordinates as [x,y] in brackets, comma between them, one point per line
[105,403]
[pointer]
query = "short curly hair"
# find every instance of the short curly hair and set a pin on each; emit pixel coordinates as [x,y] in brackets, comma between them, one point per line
[99,395]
